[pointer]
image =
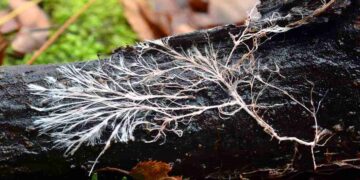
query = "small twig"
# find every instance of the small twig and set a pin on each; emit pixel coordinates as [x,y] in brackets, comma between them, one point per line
[18,11]
[43,29]
[57,34]
[317,12]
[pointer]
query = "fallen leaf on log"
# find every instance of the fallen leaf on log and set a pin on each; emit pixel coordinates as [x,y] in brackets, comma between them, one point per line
[152,170]
[146,170]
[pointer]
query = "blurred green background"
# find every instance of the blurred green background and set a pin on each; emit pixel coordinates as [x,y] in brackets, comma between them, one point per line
[98,31]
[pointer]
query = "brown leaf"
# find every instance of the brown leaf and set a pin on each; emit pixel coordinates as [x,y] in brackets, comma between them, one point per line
[182,28]
[157,18]
[3,46]
[33,21]
[9,26]
[172,17]
[164,12]
[230,11]
[199,5]
[152,170]
[151,19]
[135,17]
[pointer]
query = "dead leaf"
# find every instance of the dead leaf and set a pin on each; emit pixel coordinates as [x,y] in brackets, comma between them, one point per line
[199,5]
[230,11]
[172,17]
[9,26]
[163,12]
[183,28]
[152,170]
[3,46]
[158,18]
[135,17]
[33,33]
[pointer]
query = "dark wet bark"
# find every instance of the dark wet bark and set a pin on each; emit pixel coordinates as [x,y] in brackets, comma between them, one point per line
[325,52]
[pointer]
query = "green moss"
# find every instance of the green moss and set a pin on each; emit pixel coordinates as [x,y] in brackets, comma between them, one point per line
[3,5]
[94,176]
[99,30]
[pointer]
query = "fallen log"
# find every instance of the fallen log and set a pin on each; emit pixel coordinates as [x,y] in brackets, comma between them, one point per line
[318,61]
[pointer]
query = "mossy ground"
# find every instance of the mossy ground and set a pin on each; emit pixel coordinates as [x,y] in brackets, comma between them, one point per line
[98,31]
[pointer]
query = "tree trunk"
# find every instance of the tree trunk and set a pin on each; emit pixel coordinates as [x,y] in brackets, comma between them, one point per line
[324,51]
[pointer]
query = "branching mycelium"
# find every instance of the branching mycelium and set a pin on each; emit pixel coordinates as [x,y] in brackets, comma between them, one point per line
[118,96]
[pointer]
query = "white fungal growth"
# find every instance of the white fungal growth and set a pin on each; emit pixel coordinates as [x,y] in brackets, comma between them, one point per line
[115,98]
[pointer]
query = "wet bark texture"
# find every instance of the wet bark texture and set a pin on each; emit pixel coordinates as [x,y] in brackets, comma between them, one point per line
[325,52]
